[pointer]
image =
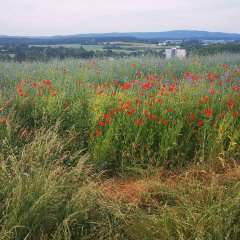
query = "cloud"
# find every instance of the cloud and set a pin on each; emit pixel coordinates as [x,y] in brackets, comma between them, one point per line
[50,17]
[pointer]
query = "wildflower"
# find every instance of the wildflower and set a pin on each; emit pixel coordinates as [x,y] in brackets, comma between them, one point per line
[208,112]
[165,122]
[139,122]
[200,123]
[67,104]
[98,132]
[212,91]
[192,116]
[206,99]
[48,82]
[100,123]
[231,103]
[235,113]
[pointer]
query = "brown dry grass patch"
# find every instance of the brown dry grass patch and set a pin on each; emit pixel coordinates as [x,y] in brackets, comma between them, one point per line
[130,190]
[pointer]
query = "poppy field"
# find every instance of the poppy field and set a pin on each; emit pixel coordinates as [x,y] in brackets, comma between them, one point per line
[66,126]
[129,113]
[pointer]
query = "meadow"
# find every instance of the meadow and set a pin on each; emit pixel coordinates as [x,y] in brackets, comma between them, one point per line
[134,148]
[95,48]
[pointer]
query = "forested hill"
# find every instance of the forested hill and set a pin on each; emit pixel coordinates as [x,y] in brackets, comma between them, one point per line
[131,36]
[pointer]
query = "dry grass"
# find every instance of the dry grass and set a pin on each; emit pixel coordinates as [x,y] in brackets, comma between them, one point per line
[130,190]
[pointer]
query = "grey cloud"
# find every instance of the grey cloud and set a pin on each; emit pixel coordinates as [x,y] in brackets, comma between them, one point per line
[50,17]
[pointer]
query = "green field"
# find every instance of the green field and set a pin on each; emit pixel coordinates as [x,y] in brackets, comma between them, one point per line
[132,148]
[125,46]
[87,47]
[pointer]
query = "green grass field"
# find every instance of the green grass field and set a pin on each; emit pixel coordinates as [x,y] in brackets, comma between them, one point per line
[124,46]
[134,148]
[87,47]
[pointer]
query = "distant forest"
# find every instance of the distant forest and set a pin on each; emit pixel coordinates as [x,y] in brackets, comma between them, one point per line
[23,51]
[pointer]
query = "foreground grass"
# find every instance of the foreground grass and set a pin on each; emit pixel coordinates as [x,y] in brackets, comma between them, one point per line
[41,197]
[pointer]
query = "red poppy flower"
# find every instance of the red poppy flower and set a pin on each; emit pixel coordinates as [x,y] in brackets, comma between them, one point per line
[48,82]
[139,122]
[67,105]
[235,113]
[98,132]
[165,122]
[192,116]
[208,112]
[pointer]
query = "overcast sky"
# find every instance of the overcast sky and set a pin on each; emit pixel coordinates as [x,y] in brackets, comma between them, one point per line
[63,17]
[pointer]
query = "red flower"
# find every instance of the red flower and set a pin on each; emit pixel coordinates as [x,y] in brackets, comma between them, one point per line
[48,82]
[208,112]
[206,99]
[235,113]
[165,122]
[100,123]
[212,91]
[67,105]
[192,116]
[231,103]
[98,132]
[200,123]
[139,122]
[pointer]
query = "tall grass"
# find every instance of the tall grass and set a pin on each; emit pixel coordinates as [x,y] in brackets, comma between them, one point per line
[43,198]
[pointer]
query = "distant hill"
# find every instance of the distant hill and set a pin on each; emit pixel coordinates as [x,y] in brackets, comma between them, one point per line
[169,35]
[130,36]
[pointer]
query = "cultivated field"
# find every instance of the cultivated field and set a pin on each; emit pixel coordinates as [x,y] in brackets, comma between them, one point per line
[137,148]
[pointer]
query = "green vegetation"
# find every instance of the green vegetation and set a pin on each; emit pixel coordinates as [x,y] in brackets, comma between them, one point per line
[135,148]
[117,49]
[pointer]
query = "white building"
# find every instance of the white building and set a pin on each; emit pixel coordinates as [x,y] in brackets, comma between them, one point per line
[162,44]
[175,53]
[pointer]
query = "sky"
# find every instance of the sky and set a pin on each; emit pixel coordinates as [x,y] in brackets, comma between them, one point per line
[66,17]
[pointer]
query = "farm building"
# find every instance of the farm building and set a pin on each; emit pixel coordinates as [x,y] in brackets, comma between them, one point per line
[175,53]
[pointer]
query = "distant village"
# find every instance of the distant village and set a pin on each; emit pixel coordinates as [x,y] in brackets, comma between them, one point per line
[174,52]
